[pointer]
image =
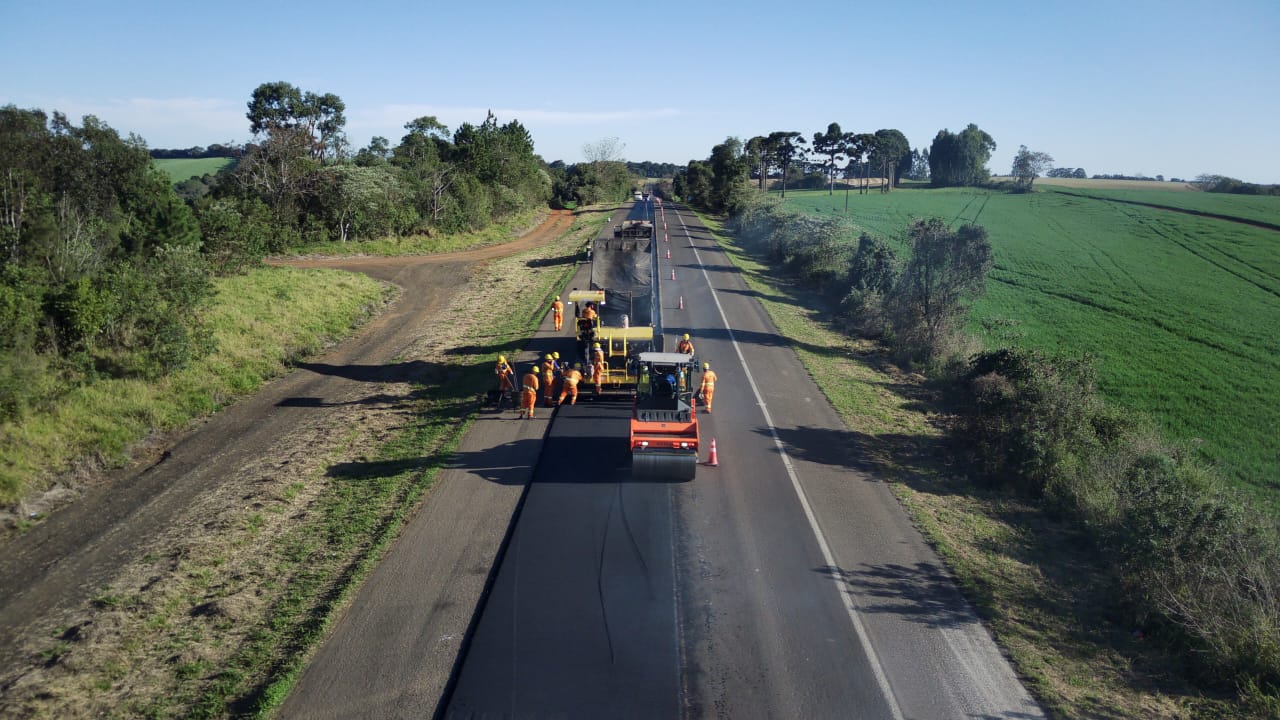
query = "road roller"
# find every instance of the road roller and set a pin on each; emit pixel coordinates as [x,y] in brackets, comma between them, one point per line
[664,424]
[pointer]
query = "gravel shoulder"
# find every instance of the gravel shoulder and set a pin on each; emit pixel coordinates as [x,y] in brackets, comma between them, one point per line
[154,576]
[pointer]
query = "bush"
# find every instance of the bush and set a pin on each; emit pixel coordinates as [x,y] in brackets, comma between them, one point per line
[1201,565]
[25,379]
[1028,420]
[1192,560]
[236,235]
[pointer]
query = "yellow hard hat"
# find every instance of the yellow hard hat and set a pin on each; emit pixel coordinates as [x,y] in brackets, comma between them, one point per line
[502,358]
[557,297]
[548,357]
[596,346]
[555,355]
[686,336]
[706,366]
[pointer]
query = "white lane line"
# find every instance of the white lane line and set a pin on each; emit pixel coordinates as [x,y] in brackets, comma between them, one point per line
[854,617]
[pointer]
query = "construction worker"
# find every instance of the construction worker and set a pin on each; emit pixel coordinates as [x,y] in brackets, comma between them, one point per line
[708,389]
[557,313]
[685,345]
[506,379]
[529,392]
[589,311]
[598,368]
[548,379]
[569,381]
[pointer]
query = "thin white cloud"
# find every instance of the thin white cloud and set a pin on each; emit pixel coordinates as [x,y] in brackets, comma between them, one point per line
[162,122]
[396,115]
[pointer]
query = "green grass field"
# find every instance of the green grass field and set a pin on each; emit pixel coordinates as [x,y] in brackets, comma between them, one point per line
[1182,312]
[180,169]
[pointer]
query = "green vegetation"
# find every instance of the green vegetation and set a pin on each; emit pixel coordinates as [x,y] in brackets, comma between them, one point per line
[1153,596]
[1178,311]
[494,234]
[259,323]
[179,169]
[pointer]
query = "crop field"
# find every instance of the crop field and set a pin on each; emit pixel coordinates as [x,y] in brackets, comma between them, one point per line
[1181,312]
[180,169]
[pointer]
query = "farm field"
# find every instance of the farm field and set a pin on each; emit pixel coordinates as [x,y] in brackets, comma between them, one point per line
[1181,312]
[180,169]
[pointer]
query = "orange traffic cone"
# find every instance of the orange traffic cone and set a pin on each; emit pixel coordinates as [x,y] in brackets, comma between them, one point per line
[668,253]
[673,273]
[681,302]
[711,459]
[665,238]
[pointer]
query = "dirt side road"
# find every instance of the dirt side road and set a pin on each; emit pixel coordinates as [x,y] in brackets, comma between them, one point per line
[141,527]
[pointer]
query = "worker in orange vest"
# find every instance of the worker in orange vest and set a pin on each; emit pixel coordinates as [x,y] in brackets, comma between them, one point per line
[529,392]
[506,379]
[589,311]
[548,379]
[506,376]
[570,385]
[557,313]
[708,389]
[598,368]
[685,345]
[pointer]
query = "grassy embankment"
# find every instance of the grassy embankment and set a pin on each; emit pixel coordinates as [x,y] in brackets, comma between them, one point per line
[261,321]
[227,623]
[423,244]
[1181,312]
[1030,577]
[180,169]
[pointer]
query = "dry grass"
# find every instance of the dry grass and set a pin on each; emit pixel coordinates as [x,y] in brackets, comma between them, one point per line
[214,618]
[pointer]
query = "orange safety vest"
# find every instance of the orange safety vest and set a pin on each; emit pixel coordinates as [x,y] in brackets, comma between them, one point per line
[684,346]
[571,378]
[557,307]
[530,382]
[709,380]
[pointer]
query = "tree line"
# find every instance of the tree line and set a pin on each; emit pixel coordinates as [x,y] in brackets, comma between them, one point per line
[216,150]
[105,270]
[787,159]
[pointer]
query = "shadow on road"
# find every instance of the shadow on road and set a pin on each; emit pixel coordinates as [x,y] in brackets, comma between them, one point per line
[923,593]
[780,299]
[750,337]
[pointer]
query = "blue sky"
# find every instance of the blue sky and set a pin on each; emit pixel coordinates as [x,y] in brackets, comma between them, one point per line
[1172,87]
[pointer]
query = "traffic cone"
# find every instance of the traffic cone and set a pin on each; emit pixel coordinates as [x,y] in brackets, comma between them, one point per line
[712,461]
[665,238]
[673,273]
[668,253]
[681,302]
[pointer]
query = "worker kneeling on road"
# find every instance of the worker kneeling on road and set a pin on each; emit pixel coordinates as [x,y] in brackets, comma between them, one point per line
[685,345]
[529,393]
[708,389]
[570,382]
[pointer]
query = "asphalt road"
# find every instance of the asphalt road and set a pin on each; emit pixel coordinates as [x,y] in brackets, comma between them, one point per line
[786,582]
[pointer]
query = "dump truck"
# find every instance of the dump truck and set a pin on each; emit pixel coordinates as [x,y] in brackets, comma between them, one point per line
[664,419]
